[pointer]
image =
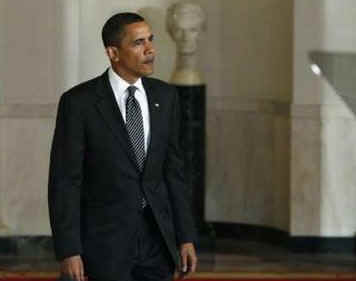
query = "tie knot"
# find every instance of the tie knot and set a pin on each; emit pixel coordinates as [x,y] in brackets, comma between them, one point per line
[131,90]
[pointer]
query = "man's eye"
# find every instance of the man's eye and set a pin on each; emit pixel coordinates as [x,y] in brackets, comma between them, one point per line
[138,42]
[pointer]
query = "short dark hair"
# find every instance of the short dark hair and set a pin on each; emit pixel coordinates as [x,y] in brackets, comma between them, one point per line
[113,29]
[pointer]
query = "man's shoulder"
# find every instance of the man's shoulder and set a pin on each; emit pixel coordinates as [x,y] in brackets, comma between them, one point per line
[84,91]
[84,88]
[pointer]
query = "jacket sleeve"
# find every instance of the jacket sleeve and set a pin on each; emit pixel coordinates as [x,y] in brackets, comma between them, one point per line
[65,179]
[175,179]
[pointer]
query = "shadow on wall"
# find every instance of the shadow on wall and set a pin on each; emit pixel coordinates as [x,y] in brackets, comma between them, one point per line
[339,69]
[337,139]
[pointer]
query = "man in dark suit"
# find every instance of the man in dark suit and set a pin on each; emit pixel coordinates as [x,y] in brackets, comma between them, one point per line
[116,187]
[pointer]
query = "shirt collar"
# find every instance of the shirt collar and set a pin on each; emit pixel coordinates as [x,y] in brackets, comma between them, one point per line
[120,85]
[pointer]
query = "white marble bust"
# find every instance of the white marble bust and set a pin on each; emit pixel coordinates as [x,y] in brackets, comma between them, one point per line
[185,23]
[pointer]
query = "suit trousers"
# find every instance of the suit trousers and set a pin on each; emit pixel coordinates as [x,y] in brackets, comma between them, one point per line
[151,260]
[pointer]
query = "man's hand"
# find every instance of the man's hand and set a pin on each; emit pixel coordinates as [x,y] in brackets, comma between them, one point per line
[189,259]
[73,267]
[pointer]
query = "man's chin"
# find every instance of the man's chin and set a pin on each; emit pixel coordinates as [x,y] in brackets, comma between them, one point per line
[147,73]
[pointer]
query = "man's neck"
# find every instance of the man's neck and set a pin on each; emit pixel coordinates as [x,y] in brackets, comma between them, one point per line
[128,78]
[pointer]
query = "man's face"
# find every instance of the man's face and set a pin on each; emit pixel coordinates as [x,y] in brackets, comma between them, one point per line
[135,55]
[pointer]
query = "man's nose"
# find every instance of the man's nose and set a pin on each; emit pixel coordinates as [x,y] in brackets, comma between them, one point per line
[150,48]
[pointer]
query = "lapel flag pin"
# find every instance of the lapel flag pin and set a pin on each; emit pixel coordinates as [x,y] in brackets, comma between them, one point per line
[156,104]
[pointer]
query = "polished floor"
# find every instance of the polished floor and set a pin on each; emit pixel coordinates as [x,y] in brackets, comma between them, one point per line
[266,260]
[230,258]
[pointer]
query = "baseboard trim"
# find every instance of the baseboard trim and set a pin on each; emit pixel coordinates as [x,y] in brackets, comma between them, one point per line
[26,246]
[309,244]
[322,244]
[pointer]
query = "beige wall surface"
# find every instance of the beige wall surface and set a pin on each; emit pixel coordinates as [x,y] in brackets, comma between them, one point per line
[29,51]
[246,58]
[34,54]
[47,47]
[2,50]
[256,38]
[323,125]
[248,116]
[324,25]
[56,44]
[24,152]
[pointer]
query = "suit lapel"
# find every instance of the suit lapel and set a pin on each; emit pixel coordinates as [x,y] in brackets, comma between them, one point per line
[154,109]
[110,112]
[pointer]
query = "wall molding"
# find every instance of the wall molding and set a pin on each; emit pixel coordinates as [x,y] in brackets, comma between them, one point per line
[232,103]
[42,246]
[28,111]
[287,109]
[220,104]
[323,111]
[27,246]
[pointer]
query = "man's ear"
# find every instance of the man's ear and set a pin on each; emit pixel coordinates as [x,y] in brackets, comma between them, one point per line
[113,53]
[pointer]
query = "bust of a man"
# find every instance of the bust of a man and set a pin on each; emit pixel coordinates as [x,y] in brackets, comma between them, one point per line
[185,23]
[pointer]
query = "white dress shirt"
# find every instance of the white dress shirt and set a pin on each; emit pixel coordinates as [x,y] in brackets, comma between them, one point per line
[119,87]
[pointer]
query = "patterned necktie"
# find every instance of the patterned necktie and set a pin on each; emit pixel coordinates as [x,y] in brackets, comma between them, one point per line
[134,126]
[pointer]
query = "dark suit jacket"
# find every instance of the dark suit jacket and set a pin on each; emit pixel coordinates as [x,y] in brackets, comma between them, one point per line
[94,184]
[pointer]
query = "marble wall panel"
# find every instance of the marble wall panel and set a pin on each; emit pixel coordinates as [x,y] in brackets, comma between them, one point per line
[338,192]
[213,175]
[3,210]
[25,154]
[322,172]
[243,184]
[260,190]
[281,171]
[227,170]
[305,176]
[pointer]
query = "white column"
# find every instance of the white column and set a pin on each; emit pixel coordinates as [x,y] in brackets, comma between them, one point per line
[323,125]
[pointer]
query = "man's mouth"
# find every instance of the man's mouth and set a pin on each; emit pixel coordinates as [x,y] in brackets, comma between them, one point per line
[149,61]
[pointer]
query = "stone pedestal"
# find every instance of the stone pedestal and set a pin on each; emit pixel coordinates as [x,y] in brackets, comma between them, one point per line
[193,106]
